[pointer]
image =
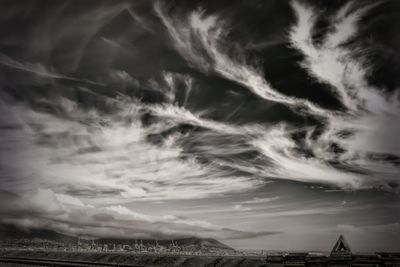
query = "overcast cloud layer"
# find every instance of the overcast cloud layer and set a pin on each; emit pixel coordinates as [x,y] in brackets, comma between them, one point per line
[163,119]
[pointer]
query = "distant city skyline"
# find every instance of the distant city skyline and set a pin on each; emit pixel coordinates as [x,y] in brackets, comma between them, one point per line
[269,125]
[18,239]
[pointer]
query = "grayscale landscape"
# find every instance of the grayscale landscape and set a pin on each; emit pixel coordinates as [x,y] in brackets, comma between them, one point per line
[200,133]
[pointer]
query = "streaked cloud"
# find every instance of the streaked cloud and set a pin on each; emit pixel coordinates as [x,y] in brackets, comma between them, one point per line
[46,209]
[258,200]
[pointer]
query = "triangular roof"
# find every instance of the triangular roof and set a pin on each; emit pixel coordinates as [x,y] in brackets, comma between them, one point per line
[341,246]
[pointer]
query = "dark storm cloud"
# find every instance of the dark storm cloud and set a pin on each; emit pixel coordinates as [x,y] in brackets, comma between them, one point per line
[108,103]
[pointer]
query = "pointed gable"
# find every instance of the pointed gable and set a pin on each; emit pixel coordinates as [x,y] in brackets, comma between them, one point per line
[341,247]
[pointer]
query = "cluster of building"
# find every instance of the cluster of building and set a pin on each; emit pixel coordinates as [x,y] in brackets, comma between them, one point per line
[147,248]
[91,246]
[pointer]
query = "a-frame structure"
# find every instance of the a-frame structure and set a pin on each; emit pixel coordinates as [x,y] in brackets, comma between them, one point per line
[341,247]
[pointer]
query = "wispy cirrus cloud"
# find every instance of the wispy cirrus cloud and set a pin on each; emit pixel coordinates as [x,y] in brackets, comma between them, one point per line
[98,155]
[331,61]
[200,39]
[203,36]
[38,69]
[369,110]
[101,152]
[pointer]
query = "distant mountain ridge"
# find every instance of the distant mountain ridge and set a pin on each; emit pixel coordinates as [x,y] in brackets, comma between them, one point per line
[198,243]
[13,232]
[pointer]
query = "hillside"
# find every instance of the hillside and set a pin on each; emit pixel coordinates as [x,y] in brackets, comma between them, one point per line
[195,242]
[12,232]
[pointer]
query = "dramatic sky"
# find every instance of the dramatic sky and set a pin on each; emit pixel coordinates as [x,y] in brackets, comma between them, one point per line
[266,124]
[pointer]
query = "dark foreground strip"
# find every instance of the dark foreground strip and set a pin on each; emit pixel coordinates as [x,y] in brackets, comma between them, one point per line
[61,263]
